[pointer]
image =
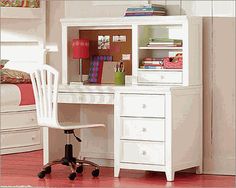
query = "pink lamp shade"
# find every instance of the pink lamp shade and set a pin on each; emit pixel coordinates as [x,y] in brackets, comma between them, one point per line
[80,48]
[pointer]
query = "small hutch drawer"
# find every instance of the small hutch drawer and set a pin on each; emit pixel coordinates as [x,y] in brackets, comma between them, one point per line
[165,77]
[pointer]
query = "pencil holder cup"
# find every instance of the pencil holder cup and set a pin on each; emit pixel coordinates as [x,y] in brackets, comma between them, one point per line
[119,78]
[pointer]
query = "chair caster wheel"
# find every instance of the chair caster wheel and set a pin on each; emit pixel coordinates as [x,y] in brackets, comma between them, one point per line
[48,170]
[41,174]
[80,169]
[72,176]
[95,173]
[65,162]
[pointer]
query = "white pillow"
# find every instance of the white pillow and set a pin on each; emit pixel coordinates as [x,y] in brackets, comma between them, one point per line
[22,66]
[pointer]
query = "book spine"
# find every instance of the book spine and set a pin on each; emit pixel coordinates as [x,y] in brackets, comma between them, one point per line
[152,63]
[154,12]
[99,79]
[143,14]
[164,45]
[152,59]
[159,40]
[152,67]
[146,9]
[153,43]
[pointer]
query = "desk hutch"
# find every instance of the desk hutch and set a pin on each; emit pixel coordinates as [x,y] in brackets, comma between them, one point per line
[154,122]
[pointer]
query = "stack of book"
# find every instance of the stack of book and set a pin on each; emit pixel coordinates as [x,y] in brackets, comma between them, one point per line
[164,42]
[151,10]
[152,63]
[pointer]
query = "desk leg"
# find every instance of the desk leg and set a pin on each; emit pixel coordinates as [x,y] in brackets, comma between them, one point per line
[199,169]
[170,175]
[116,171]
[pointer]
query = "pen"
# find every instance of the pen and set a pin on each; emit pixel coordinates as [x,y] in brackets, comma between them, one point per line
[121,66]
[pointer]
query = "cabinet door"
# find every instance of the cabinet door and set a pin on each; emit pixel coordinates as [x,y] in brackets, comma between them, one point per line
[137,105]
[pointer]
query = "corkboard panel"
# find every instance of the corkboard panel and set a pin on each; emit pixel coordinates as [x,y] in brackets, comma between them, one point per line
[116,48]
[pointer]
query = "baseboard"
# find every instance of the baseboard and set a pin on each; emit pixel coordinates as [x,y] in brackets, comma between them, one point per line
[97,155]
[102,162]
[20,149]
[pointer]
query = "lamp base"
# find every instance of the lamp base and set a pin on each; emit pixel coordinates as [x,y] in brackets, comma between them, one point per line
[85,81]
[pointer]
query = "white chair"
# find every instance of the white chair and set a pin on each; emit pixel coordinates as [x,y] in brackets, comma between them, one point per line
[45,86]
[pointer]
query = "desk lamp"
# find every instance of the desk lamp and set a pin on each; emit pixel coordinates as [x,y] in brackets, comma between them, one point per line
[80,51]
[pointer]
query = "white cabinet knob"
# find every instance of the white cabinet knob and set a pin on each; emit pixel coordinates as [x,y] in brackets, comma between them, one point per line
[144,129]
[144,152]
[162,77]
[144,106]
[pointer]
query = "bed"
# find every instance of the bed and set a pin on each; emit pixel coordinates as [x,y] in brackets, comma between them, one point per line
[23,43]
[19,129]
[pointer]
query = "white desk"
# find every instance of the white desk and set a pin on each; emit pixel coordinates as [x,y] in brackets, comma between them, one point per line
[149,128]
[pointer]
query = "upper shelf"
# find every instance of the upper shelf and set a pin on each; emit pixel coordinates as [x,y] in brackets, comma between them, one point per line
[160,48]
[21,13]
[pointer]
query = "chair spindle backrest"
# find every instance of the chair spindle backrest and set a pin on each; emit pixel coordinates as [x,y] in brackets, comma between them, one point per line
[45,86]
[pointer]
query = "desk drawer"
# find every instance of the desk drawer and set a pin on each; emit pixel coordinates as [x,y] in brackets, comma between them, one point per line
[174,77]
[143,152]
[143,129]
[142,105]
[86,98]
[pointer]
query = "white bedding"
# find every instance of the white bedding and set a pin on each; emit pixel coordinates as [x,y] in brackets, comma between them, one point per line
[11,98]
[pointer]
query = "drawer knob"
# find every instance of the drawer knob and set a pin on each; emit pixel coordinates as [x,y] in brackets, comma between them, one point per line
[144,129]
[144,152]
[162,77]
[144,106]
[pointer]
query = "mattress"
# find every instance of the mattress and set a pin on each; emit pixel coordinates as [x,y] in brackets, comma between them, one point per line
[12,96]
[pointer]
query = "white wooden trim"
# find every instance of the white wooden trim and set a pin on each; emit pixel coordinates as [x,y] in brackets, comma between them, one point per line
[64,56]
[143,167]
[18,12]
[24,13]
[124,21]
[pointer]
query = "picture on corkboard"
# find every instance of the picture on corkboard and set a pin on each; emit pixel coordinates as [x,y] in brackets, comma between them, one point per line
[103,42]
[119,38]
